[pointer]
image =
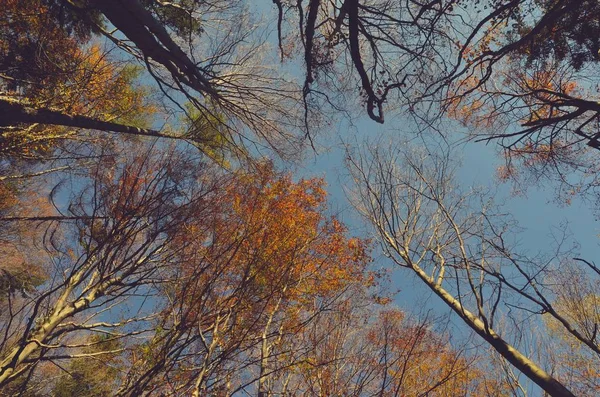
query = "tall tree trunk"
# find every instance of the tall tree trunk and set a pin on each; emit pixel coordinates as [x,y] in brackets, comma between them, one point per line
[509,352]
[15,112]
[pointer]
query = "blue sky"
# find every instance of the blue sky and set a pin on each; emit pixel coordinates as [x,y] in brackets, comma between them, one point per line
[538,213]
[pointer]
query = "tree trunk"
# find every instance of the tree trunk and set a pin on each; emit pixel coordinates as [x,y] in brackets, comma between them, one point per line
[512,355]
[14,112]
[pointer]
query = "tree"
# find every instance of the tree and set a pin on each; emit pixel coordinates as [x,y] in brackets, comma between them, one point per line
[226,77]
[50,78]
[209,282]
[40,39]
[355,350]
[220,281]
[482,64]
[21,269]
[108,249]
[233,90]
[250,277]
[458,245]
[576,297]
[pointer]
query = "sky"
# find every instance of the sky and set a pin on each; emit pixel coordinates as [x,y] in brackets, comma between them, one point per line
[538,214]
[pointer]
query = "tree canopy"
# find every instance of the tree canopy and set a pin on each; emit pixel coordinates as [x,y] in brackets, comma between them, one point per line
[150,246]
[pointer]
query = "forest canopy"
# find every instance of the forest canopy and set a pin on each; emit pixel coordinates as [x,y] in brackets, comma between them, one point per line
[158,239]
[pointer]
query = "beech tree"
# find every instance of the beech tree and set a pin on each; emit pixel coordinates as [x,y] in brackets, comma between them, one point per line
[249,279]
[207,282]
[49,78]
[458,245]
[353,351]
[225,77]
[110,247]
[21,269]
[92,376]
[481,63]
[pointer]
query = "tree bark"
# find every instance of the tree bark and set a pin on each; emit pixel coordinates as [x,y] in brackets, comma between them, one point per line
[512,355]
[153,40]
[14,112]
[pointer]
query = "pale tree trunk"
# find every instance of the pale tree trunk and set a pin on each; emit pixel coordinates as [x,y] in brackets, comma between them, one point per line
[506,350]
[62,310]
[200,386]
[265,351]
[510,353]
[263,380]
[96,287]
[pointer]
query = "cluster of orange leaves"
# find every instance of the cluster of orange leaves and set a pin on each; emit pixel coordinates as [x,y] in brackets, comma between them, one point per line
[479,104]
[102,88]
[29,25]
[466,104]
[20,257]
[270,235]
[531,157]
[419,358]
[541,89]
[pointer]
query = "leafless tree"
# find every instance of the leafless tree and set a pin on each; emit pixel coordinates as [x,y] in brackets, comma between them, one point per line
[461,247]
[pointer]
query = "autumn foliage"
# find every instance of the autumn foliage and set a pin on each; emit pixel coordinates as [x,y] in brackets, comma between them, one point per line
[148,248]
